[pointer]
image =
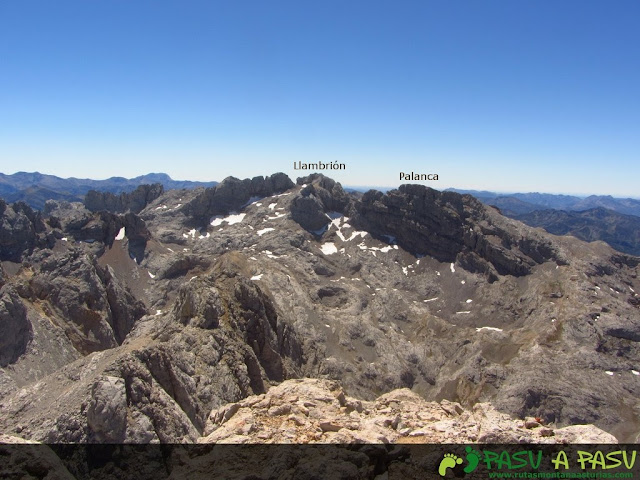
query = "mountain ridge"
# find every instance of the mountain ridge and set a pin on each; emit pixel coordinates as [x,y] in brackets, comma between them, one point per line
[34,188]
[205,297]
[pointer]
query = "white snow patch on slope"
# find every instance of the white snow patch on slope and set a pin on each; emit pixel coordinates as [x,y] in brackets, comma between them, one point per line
[635,372]
[120,235]
[265,230]
[257,277]
[151,275]
[229,219]
[489,329]
[329,248]
[453,268]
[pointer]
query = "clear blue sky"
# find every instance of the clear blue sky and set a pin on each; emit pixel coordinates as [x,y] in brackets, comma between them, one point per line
[499,95]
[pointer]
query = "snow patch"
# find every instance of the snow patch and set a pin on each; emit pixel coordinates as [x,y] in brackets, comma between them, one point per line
[489,329]
[453,268]
[469,301]
[120,235]
[609,373]
[329,248]
[229,219]
[430,300]
[467,311]
[265,230]
[635,372]
[257,277]
[151,275]
[272,205]
[63,239]
[158,312]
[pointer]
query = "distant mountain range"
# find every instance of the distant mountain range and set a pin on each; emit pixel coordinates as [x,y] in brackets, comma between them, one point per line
[36,188]
[519,203]
[615,221]
[620,231]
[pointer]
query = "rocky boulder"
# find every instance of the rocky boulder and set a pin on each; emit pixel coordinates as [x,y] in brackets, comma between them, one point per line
[107,413]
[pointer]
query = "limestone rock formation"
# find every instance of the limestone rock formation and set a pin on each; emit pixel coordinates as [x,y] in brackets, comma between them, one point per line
[318,411]
[15,329]
[133,202]
[21,230]
[232,194]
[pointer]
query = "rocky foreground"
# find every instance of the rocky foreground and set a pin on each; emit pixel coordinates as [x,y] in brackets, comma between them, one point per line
[380,439]
[318,411]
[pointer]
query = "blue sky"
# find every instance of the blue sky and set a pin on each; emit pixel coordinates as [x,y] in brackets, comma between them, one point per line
[497,95]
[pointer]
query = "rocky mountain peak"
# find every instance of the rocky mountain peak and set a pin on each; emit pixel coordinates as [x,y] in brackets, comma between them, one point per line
[232,194]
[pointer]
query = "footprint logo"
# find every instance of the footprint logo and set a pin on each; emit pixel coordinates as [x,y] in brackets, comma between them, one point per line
[449,461]
[473,459]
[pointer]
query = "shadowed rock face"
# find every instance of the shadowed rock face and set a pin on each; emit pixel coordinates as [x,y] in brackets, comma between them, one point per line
[423,220]
[134,201]
[232,194]
[15,329]
[450,227]
[21,230]
[410,289]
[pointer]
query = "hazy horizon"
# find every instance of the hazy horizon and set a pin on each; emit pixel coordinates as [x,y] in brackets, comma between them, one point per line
[360,188]
[526,96]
